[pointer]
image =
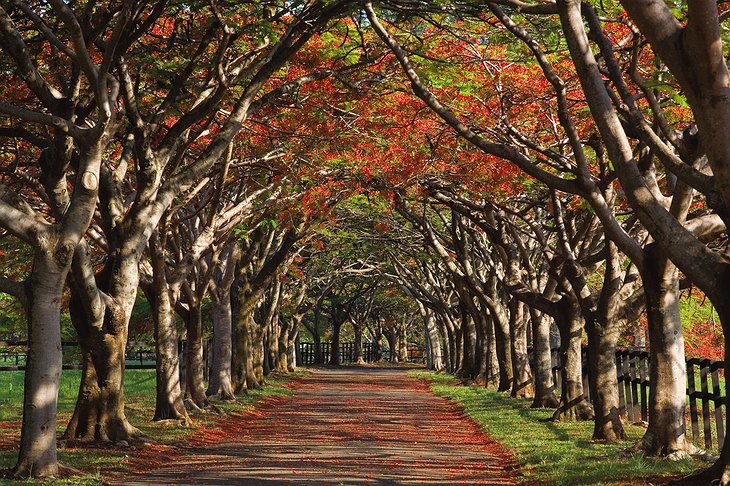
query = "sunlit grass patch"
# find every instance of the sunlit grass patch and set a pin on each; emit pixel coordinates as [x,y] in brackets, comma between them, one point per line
[139,390]
[548,452]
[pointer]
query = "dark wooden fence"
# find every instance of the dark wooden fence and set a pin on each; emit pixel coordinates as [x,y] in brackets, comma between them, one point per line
[12,359]
[137,358]
[705,392]
[708,373]
[307,353]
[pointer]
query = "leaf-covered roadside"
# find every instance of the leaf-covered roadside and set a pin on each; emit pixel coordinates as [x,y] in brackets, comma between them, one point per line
[554,452]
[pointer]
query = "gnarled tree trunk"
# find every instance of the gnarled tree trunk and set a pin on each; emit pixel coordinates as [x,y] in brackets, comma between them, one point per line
[668,372]
[335,348]
[573,404]
[433,341]
[194,364]
[504,352]
[220,382]
[522,383]
[357,331]
[37,456]
[603,333]
[542,362]
[242,360]
[99,412]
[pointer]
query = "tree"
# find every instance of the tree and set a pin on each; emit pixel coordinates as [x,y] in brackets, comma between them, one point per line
[171,154]
[77,103]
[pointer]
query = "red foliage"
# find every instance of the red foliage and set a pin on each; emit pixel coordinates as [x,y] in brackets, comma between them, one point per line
[704,340]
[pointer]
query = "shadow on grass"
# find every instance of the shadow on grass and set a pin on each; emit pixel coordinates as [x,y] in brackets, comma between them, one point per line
[549,452]
[139,386]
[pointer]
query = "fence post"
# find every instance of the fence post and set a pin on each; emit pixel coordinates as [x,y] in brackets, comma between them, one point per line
[644,377]
[704,366]
[717,398]
[692,393]
[620,376]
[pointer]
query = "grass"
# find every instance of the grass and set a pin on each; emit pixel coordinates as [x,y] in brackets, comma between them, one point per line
[140,404]
[553,453]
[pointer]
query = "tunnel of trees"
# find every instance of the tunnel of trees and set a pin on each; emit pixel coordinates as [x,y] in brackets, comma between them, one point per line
[483,180]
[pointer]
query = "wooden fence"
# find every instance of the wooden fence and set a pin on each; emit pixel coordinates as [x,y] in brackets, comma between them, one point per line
[136,358]
[705,392]
[307,353]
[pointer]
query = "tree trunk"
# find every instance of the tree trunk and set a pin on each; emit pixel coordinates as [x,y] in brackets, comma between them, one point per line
[458,350]
[522,375]
[293,349]
[282,364]
[573,405]
[37,456]
[469,368]
[257,353]
[99,411]
[448,349]
[668,373]
[318,358]
[436,361]
[274,334]
[542,363]
[393,345]
[266,344]
[169,403]
[504,352]
[603,333]
[603,382]
[492,360]
[220,374]
[377,345]
[480,349]
[242,362]
[402,344]
[358,330]
[335,348]
[194,365]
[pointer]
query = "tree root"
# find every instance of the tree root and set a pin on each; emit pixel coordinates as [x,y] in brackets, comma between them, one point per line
[717,474]
[549,401]
[577,412]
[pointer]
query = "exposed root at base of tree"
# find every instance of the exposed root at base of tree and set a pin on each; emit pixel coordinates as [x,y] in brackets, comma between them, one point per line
[108,431]
[577,412]
[649,446]
[549,401]
[17,473]
[526,391]
[182,422]
[209,407]
[223,396]
[717,474]
[480,380]
[99,444]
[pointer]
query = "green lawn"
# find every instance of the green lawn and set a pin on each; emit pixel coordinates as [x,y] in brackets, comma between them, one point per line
[140,405]
[553,453]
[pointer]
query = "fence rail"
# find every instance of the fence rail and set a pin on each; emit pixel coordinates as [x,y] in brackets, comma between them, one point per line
[135,359]
[307,353]
[705,392]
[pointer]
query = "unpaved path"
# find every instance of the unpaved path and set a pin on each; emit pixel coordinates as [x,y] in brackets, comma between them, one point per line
[347,426]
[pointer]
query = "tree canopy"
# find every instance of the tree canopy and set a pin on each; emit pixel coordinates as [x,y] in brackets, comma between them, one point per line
[486,179]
